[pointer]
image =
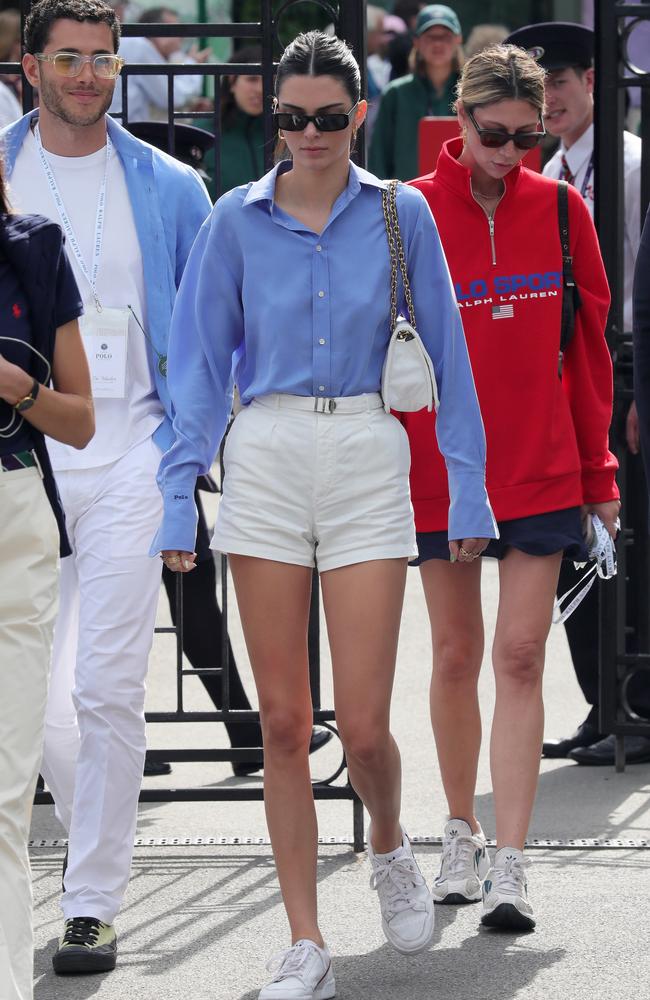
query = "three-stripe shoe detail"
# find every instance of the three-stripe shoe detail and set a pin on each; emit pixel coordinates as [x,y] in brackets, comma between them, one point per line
[463,866]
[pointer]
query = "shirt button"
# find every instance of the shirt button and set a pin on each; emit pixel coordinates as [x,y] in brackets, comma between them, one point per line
[321,295]
[321,341]
[321,388]
[318,247]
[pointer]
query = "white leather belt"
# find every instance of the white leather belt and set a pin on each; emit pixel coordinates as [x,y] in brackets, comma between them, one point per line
[323,404]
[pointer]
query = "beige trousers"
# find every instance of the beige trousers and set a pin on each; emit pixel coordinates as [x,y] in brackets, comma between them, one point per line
[29,545]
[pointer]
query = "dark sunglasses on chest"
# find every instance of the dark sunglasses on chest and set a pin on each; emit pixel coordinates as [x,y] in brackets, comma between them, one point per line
[293,121]
[495,137]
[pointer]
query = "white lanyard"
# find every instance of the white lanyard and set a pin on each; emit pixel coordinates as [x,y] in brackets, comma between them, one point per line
[90,276]
[602,554]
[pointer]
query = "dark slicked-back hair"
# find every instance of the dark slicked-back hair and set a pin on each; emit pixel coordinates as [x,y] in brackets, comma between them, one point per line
[316,54]
[44,13]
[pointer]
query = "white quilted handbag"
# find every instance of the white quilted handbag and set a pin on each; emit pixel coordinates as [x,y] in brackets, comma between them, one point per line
[408,381]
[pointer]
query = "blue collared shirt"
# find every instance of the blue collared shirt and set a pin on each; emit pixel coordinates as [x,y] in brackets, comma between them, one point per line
[275,307]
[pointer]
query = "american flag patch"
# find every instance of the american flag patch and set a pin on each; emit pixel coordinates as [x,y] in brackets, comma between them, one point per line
[502,312]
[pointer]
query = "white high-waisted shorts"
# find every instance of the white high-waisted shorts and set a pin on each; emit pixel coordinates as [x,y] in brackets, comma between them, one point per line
[316,482]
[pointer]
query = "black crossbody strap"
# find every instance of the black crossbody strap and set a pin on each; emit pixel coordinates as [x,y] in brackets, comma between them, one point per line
[570,294]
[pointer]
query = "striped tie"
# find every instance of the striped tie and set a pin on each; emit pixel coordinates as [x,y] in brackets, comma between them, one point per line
[566,174]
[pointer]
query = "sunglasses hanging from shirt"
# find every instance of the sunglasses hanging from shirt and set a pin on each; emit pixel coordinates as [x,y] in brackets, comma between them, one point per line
[408,381]
[162,358]
[494,138]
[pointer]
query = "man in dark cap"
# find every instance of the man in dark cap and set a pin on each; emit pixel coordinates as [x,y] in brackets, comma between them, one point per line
[566,52]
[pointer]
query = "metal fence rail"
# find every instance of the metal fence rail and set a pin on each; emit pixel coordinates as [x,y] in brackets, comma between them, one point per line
[625,606]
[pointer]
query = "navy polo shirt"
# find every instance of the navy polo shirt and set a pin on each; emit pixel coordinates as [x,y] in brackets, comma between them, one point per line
[17,343]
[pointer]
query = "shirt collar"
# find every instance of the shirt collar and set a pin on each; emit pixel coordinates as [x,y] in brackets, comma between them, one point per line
[264,188]
[580,151]
[456,175]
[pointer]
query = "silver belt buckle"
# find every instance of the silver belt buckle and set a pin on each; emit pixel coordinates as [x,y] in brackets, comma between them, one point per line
[326,405]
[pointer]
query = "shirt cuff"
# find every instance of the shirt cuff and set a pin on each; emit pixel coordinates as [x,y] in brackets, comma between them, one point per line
[180,518]
[470,513]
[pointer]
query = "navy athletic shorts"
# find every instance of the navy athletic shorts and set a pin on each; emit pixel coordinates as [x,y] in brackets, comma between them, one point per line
[540,535]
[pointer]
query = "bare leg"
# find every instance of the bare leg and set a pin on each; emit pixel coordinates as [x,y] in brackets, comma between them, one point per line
[363,606]
[527,590]
[453,596]
[273,601]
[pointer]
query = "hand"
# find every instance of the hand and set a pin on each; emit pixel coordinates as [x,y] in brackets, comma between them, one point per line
[632,429]
[200,55]
[15,383]
[468,549]
[607,512]
[178,562]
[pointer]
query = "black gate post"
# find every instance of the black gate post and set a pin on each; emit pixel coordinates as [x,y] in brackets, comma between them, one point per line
[352,26]
[624,605]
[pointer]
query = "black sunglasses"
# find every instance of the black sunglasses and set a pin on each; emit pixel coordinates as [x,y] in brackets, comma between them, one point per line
[292,121]
[495,137]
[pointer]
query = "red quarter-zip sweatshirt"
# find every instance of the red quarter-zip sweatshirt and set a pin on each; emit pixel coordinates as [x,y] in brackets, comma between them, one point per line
[546,438]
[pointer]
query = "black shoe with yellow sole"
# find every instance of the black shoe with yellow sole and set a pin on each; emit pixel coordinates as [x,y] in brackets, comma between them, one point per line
[87,946]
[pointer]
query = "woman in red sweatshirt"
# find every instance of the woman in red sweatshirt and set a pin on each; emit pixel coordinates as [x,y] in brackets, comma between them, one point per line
[548,463]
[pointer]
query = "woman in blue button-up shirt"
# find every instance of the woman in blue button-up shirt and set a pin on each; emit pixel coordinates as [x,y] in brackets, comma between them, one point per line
[286,294]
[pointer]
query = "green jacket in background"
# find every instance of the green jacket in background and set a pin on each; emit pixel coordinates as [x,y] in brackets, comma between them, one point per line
[394,144]
[242,151]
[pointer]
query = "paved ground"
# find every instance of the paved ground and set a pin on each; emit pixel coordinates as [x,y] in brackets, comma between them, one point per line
[200,921]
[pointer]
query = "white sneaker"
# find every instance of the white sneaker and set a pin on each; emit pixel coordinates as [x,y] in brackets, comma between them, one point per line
[406,903]
[505,892]
[303,972]
[463,866]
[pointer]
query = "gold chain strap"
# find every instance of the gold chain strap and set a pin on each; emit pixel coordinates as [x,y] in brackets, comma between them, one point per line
[393,257]
[397,255]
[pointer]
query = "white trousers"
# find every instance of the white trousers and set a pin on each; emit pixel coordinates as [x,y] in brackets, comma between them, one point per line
[95,729]
[29,547]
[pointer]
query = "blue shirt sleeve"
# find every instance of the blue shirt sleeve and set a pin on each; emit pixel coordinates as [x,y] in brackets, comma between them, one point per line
[207,327]
[459,425]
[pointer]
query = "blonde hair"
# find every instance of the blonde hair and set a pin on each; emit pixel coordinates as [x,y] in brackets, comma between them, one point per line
[482,36]
[499,73]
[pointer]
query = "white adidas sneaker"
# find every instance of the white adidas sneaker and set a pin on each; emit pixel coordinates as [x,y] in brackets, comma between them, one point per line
[463,866]
[302,972]
[406,904]
[505,892]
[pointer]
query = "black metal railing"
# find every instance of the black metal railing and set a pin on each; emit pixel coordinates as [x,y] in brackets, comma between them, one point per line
[625,606]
